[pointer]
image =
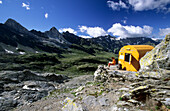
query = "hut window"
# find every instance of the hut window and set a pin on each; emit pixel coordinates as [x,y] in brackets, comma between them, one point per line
[127,57]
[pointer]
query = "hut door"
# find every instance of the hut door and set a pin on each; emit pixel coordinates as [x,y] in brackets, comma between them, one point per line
[128,57]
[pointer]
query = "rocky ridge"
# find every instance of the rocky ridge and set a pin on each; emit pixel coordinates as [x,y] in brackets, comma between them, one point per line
[16,39]
[16,26]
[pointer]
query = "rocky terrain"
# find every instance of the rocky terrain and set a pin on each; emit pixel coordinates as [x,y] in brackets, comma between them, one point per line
[49,70]
[112,90]
[23,87]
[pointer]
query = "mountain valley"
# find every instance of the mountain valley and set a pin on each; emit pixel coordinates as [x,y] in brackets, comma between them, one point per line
[52,70]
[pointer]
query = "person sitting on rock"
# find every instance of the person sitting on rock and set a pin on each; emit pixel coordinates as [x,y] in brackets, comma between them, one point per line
[113,62]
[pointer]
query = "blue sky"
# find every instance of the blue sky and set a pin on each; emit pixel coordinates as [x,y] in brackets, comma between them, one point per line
[92,18]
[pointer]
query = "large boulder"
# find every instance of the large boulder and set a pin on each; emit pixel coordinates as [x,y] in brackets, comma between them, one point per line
[158,59]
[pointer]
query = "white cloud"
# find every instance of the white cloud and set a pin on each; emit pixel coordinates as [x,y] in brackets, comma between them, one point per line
[93,31]
[116,5]
[83,36]
[46,15]
[124,21]
[164,32]
[140,5]
[67,29]
[0,2]
[130,31]
[27,6]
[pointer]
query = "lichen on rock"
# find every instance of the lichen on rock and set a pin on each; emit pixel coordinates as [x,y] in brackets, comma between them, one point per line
[101,74]
[158,59]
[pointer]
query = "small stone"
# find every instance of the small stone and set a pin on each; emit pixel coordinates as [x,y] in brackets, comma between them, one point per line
[123,103]
[103,101]
[139,89]
[162,93]
[78,93]
[48,107]
[126,96]
[124,89]
[133,101]
[79,89]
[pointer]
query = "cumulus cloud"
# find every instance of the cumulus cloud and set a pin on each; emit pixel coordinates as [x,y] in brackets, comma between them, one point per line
[130,31]
[164,32]
[27,6]
[141,5]
[116,5]
[67,29]
[93,31]
[0,2]
[46,15]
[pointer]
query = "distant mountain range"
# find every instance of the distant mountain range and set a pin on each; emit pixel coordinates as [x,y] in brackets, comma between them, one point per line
[14,38]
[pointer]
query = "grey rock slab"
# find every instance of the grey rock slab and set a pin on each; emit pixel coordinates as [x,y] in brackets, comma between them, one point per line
[103,101]
[90,101]
[38,85]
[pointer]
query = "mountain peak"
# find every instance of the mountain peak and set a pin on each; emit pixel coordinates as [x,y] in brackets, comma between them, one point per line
[54,30]
[15,25]
[11,21]
[53,33]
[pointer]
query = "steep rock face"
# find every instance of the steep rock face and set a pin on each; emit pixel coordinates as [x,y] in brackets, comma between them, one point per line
[108,43]
[158,58]
[39,33]
[54,33]
[75,39]
[14,36]
[16,26]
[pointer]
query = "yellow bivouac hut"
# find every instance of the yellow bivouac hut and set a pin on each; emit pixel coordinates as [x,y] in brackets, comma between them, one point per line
[130,55]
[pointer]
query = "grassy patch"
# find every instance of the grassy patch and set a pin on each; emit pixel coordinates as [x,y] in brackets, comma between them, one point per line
[77,61]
